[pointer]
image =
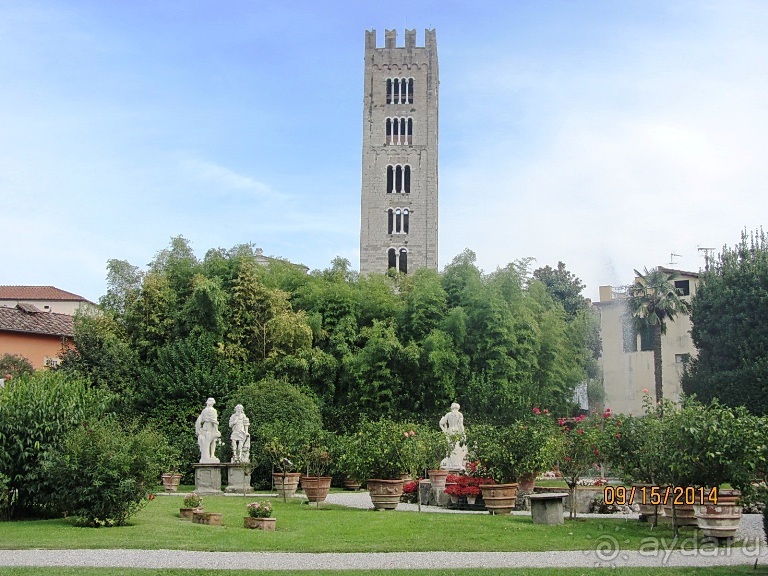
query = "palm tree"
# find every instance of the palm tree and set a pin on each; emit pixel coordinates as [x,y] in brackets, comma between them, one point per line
[653,299]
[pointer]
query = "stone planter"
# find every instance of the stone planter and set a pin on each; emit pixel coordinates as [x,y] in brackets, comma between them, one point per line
[316,487]
[499,498]
[720,520]
[385,494]
[186,513]
[266,524]
[286,487]
[171,481]
[471,499]
[210,518]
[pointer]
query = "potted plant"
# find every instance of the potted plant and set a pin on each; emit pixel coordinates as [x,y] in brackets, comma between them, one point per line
[373,452]
[509,451]
[260,516]
[192,503]
[717,446]
[283,449]
[172,478]
[317,459]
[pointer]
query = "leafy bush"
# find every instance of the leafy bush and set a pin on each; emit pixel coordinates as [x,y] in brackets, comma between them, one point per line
[104,470]
[36,411]
[15,365]
[277,410]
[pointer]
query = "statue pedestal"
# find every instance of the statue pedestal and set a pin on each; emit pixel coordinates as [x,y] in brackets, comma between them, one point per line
[237,480]
[208,478]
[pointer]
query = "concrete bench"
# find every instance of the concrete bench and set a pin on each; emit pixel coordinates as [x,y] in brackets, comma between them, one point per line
[547,508]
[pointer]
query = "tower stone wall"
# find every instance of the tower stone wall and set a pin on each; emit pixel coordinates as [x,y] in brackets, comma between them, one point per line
[399,209]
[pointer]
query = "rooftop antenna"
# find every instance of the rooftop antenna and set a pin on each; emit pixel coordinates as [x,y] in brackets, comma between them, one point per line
[707,253]
[672,256]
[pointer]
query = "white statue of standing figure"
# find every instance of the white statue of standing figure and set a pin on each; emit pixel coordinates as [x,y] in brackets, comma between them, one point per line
[207,430]
[241,439]
[452,425]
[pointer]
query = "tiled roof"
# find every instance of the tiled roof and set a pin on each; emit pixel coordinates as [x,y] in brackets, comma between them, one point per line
[50,323]
[37,293]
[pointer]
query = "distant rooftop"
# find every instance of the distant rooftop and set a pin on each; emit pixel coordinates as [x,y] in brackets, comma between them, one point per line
[30,320]
[28,293]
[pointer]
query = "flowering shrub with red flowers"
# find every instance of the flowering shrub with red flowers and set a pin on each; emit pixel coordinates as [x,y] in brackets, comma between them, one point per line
[583,442]
[410,492]
[463,485]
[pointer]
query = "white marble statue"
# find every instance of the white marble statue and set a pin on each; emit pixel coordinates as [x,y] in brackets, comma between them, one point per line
[452,425]
[207,429]
[241,439]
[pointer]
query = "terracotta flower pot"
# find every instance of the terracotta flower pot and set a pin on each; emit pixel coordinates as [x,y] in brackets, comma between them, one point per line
[527,482]
[186,513]
[350,484]
[438,478]
[266,524]
[171,481]
[286,486]
[722,519]
[499,498]
[385,494]
[316,487]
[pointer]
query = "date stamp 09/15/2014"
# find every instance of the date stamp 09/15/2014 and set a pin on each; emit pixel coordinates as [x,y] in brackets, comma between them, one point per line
[659,495]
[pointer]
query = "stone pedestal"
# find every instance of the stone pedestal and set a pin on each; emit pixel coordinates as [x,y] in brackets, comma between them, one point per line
[547,508]
[237,479]
[208,479]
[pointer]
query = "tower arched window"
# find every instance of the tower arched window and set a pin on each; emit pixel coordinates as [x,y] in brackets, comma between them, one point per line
[399,131]
[398,220]
[398,259]
[398,179]
[399,90]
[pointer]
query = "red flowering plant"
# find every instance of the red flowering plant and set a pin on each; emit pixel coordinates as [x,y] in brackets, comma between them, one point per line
[582,446]
[463,485]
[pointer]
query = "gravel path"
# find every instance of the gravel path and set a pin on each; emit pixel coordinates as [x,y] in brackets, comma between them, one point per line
[606,553]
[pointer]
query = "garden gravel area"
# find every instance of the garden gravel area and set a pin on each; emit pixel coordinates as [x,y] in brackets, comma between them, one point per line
[607,552]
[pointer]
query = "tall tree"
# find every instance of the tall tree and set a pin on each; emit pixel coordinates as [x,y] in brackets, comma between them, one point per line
[564,287]
[654,300]
[730,327]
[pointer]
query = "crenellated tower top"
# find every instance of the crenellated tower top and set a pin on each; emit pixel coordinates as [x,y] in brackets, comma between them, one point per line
[390,39]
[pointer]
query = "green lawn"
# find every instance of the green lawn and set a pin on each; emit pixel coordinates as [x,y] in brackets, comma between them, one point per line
[302,528]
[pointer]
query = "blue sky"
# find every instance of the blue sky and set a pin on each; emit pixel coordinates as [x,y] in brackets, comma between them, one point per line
[608,135]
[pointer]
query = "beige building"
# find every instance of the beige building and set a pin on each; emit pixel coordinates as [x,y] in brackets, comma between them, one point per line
[627,357]
[398,223]
[46,298]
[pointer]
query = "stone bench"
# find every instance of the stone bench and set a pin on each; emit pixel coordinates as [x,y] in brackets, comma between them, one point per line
[547,508]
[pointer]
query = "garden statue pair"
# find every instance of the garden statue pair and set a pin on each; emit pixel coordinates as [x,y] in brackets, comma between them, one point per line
[208,435]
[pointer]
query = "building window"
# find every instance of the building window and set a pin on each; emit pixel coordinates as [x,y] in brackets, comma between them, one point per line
[683,287]
[399,131]
[397,220]
[646,338]
[51,362]
[398,179]
[398,259]
[399,90]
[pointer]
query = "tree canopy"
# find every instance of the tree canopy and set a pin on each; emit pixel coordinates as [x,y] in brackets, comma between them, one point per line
[730,327]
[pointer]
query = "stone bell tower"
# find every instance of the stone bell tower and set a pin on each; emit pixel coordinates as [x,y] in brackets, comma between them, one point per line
[398,226]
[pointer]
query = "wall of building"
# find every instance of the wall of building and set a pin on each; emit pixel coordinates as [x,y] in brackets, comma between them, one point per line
[34,347]
[626,374]
[419,63]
